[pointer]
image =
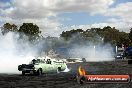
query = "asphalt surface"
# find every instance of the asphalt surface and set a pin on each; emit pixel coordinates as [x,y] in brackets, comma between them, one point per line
[68,79]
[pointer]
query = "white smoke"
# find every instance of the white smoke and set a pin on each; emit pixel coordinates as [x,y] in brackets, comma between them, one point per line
[14,51]
[93,49]
[11,54]
[93,52]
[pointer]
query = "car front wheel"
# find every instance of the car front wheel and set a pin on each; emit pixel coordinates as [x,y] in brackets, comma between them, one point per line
[39,72]
[23,73]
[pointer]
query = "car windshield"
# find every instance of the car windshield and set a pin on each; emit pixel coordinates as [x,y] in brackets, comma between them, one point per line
[34,61]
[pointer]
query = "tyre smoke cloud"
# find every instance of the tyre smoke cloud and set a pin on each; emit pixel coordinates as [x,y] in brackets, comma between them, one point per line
[14,52]
[94,53]
[92,49]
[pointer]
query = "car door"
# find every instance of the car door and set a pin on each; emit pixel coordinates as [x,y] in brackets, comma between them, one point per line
[49,66]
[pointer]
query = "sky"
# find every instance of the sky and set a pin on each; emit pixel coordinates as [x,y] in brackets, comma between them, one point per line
[55,16]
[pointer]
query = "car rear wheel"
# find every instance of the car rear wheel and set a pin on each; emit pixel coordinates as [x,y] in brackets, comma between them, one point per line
[59,70]
[39,72]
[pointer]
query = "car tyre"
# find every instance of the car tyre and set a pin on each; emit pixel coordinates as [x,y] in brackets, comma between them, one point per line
[23,73]
[39,72]
[59,70]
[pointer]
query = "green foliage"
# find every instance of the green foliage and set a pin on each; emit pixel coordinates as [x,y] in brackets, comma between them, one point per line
[30,30]
[96,35]
[27,29]
[8,27]
[68,34]
[130,34]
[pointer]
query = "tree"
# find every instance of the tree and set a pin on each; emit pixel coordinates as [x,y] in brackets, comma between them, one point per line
[95,35]
[14,28]
[130,34]
[30,30]
[7,27]
[69,34]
